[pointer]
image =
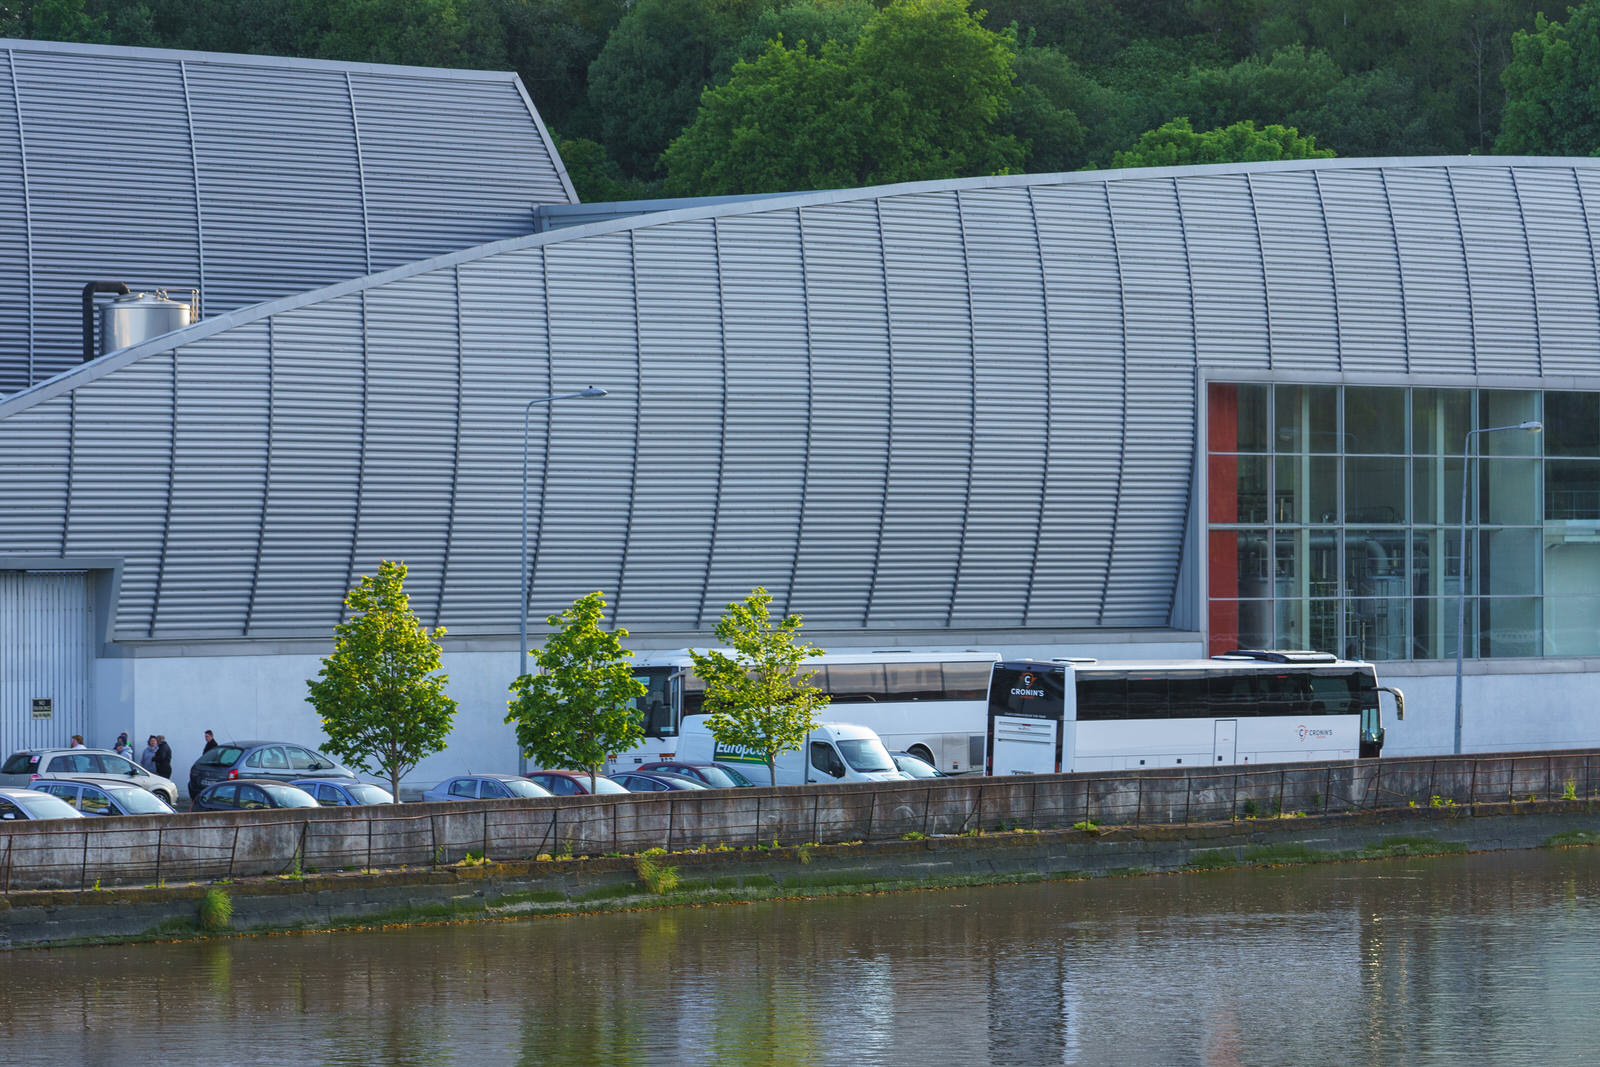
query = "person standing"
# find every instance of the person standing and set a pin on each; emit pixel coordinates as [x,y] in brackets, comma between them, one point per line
[77,741]
[163,758]
[123,747]
[148,759]
[194,779]
[211,743]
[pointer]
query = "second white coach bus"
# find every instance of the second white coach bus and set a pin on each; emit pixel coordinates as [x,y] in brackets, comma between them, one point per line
[1255,706]
[932,704]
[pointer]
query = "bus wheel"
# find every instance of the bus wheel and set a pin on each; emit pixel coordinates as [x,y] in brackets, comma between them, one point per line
[922,753]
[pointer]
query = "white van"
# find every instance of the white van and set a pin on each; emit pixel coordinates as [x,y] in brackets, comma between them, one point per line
[833,752]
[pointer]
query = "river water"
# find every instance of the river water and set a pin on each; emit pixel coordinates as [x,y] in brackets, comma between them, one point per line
[1490,958]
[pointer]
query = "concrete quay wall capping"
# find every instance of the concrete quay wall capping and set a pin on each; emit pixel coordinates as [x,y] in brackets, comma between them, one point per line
[213,845]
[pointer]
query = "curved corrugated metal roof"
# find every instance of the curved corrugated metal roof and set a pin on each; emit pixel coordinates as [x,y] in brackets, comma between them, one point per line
[245,177]
[959,404]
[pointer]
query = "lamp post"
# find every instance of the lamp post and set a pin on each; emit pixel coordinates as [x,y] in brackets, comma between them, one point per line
[522,584]
[1530,426]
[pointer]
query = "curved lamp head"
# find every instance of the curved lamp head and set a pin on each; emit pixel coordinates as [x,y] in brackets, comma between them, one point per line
[1532,426]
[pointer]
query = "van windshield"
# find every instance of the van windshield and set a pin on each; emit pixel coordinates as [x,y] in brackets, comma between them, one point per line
[866,755]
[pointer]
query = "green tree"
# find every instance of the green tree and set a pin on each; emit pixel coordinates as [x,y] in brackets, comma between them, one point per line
[925,93]
[381,694]
[758,699]
[1553,87]
[1177,143]
[582,705]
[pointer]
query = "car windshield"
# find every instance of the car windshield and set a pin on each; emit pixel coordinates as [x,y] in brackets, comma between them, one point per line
[866,755]
[523,788]
[137,801]
[917,768]
[45,806]
[287,796]
[221,756]
[369,794]
[723,779]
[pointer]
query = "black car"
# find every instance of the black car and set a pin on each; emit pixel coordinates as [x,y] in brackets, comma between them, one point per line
[281,760]
[715,775]
[252,794]
[655,781]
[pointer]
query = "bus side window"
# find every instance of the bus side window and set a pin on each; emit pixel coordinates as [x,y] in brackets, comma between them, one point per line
[1102,697]
[914,681]
[966,681]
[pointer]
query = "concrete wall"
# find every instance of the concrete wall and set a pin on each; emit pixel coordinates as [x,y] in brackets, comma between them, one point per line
[209,845]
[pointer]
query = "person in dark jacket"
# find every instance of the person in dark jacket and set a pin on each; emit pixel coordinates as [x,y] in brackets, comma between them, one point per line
[211,743]
[163,756]
[194,779]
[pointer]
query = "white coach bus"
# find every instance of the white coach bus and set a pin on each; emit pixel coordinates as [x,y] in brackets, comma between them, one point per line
[1249,706]
[932,704]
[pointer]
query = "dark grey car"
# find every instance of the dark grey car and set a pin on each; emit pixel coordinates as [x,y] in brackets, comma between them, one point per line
[282,760]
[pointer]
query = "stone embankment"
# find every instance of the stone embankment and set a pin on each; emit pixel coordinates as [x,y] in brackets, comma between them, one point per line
[478,888]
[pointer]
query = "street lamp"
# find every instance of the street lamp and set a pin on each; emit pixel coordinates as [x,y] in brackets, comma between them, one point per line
[1530,426]
[522,586]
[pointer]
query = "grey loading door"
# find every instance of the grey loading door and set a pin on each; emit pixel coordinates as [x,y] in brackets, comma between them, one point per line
[1225,746]
[44,659]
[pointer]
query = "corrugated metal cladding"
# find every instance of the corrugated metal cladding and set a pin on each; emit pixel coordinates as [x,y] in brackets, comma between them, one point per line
[44,659]
[245,177]
[952,405]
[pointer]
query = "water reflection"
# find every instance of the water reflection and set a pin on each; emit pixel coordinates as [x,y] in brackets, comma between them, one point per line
[1481,958]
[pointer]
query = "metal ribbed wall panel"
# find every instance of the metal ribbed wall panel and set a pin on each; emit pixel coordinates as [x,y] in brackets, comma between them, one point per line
[968,404]
[408,458]
[681,402]
[848,457]
[766,325]
[587,484]
[16,261]
[1562,255]
[1506,328]
[1011,391]
[931,398]
[404,123]
[116,205]
[1231,309]
[505,362]
[46,622]
[219,483]
[277,160]
[248,177]
[1302,314]
[1153,475]
[1437,310]
[313,467]
[121,482]
[1088,324]
[35,479]
[1367,273]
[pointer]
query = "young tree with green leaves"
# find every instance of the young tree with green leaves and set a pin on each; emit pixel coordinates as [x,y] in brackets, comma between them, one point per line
[758,698]
[381,694]
[582,705]
[1177,143]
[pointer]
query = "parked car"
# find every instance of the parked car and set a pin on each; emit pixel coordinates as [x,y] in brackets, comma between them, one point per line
[99,797]
[715,775]
[655,782]
[573,783]
[31,804]
[280,760]
[484,787]
[916,766]
[251,794]
[24,768]
[336,792]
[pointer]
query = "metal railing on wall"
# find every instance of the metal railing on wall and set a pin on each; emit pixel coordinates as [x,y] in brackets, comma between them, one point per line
[91,853]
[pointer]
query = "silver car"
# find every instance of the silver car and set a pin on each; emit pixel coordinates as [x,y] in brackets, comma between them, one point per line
[99,797]
[18,804]
[485,787]
[24,768]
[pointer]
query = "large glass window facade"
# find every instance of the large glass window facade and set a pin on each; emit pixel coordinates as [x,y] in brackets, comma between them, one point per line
[1334,521]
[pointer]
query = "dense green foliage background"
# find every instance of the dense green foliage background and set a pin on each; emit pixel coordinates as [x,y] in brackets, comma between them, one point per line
[655,97]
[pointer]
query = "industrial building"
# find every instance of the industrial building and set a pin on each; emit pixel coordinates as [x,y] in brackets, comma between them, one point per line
[1121,413]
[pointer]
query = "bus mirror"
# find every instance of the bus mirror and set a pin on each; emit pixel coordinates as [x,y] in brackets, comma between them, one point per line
[1399,700]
